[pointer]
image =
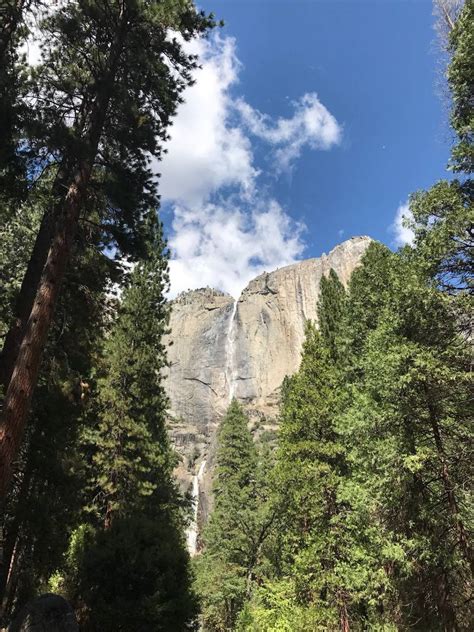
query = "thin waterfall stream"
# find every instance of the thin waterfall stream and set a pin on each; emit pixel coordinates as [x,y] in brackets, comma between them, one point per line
[230,354]
[192,531]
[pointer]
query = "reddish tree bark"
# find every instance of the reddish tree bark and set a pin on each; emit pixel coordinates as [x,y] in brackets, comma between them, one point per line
[25,374]
[24,301]
[65,216]
[29,285]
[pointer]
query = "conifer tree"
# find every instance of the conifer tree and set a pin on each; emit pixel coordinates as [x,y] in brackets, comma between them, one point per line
[310,463]
[238,527]
[460,77]
[127,560]
[408,411]
[400,426]
[332,546]
[369,292]
[109,83]
[331,314]
[47,495]
[131,452]
[13,111]
[444,215]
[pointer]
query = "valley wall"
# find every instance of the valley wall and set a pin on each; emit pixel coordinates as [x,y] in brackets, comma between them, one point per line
[222,348]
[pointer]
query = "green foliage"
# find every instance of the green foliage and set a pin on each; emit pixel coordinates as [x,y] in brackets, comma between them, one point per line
[275,608]
[444,215]
[17,236]
[239,525]
[408,423]
[331,313]
[47,494]
[133,576]
[330,544]
[13,109]
[362,517]
[111,68]
[96,452]
[127,567]
[101,525]
[461,82]
[443,224]
[131,454]
[373,464]
[369,292]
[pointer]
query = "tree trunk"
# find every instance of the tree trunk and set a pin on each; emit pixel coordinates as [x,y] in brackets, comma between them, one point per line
[29,285]
[25,373]
[344,624]
[66,217]
[18,510]
[444,602]
[25,299]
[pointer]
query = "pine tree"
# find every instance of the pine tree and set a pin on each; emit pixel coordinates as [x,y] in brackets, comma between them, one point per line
[47,494]
[238,527]
[369,292]
[331,314]
[444,215]
[330,545]
[130,442]
[310,463]
[460,77]
[408,412]
[127,561]
[13,111]
[10,19]
[110,82]
[386,390]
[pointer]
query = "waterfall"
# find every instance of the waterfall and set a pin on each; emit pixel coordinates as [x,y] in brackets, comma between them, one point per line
[192,530]
[230,354]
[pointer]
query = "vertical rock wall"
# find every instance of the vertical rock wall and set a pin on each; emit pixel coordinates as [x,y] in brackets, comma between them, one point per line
[212,356]
[271,316]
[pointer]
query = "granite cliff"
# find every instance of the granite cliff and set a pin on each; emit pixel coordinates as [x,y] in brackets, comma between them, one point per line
[223,348]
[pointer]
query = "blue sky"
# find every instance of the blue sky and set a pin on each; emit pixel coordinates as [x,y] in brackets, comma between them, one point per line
[262,172]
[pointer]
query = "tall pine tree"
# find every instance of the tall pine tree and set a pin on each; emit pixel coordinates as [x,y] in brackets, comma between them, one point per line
[110,81]
[127,561]
[238,528]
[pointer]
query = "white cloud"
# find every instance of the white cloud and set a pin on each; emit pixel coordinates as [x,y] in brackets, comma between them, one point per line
[225,246]
[225,228]
[207,151]
[311,125]
[402,234]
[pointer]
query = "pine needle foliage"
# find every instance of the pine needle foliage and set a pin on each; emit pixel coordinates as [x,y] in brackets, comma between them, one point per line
[127,567]
[238,527]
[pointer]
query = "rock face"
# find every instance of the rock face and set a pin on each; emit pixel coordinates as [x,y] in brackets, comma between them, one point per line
[222,348]
[196,378]
[271,316]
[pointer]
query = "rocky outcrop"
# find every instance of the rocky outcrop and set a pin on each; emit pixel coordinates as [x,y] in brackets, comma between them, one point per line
[271,316]
[222,348]
[196,377]
[218,348]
